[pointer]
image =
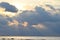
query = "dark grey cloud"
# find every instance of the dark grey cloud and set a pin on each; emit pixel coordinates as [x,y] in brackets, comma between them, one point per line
[50,6]
[34,17]
[8,7]
[39,16]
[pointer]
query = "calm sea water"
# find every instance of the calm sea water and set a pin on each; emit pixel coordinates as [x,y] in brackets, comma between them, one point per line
[28,38]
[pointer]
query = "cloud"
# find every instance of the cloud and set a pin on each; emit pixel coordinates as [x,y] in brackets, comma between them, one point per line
[40,15]
[16,23]
[51,7]
[13,23]
[8,7]
[39,26]
[25,24]
[6,13]
[31,23]
[42,20]
[2,9]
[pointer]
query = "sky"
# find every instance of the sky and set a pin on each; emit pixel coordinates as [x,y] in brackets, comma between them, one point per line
[29,17]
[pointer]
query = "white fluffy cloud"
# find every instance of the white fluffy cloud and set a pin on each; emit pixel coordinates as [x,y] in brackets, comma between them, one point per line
[39,26]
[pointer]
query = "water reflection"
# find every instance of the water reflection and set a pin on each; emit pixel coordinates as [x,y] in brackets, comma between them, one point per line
[29,38]
[19,39]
